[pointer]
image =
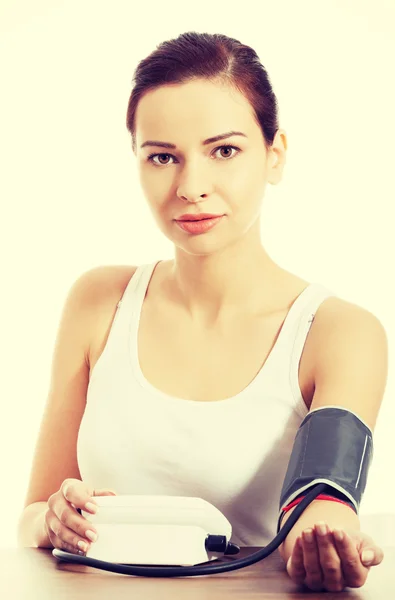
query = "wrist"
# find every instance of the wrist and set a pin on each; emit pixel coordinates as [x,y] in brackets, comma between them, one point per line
[334,514]
[32,531]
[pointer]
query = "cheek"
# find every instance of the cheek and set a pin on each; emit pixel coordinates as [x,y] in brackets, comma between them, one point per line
[245,192]
[147,183]
[245,179]
[154,189]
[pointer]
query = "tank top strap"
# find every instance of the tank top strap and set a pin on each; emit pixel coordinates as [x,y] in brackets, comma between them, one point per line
[135,290]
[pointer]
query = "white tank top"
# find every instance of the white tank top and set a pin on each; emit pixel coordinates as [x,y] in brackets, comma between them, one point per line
[233,453]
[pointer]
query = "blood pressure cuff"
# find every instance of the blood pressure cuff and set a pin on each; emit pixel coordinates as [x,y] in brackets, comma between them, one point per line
[333,446]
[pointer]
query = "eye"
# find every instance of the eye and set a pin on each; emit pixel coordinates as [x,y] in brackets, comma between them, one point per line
[154,155]
[227,147]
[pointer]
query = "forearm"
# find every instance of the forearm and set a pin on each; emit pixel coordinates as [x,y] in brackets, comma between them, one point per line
[31,530]
[334,514]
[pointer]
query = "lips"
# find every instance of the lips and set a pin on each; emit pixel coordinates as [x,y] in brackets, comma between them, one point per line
[200,225]
[201,217]
[196,220]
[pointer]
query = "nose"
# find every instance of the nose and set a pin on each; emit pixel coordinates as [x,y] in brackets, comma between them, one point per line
[192,184]
[194,198]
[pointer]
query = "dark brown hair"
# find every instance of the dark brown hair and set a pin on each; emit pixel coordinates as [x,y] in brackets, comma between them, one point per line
[214,57]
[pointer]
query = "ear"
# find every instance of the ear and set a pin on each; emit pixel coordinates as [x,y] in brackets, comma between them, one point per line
[277,157]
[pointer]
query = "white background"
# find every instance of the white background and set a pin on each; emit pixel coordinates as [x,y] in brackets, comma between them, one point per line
[70,197]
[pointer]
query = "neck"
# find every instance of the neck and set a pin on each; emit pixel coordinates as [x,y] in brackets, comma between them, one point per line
[222,285]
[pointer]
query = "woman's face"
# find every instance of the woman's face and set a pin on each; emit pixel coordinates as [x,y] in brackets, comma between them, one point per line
[195,176]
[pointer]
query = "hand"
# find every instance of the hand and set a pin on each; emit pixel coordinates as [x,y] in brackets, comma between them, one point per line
[65,527]
[326,564]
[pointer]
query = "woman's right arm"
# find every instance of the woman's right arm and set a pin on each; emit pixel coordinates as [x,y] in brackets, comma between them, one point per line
[55,456]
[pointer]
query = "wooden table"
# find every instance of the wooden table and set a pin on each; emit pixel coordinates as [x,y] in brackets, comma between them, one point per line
[34,574]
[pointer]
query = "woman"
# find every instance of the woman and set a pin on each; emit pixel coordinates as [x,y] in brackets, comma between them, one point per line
[191,376]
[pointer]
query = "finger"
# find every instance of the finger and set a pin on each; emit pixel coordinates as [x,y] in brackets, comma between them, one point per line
[329,559]
[312,565]
[71,519]
[296,568]
[79,496]
[354,572]
[62,545]
[373,559]
[78,493]
[104,492]
[63,538]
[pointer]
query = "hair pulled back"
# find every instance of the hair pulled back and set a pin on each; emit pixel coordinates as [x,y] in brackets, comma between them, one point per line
[216,58]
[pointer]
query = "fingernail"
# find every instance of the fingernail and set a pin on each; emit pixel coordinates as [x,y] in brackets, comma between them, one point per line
[82,546]
[104,491]
[91,535]
[91,507]
[308,535]
[338,535]
[367,556]
[321,527]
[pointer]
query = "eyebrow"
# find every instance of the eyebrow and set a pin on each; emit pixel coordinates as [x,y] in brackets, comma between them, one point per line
[210,140]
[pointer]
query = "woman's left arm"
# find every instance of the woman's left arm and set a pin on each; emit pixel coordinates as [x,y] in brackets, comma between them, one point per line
[351,372]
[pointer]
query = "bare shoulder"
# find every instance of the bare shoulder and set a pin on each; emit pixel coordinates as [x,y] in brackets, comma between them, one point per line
[343,327]
[106,283]
[335,310]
